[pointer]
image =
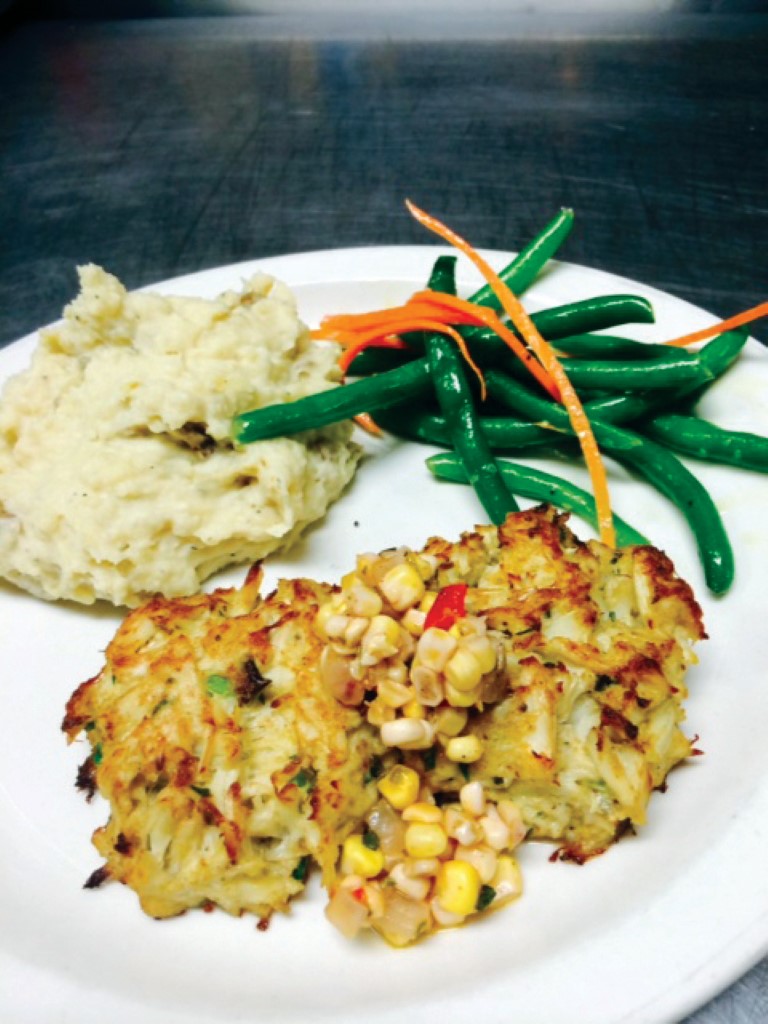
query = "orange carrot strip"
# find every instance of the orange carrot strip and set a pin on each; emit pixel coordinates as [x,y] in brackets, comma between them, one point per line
[517,314]
[481,316]
[368,424]
[362,321]
[351,353]
[756,313]
[379,337]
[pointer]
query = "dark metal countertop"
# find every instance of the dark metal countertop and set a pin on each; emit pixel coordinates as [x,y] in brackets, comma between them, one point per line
[161,147]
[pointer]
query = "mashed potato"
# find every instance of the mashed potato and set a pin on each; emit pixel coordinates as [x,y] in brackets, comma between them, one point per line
[118,478]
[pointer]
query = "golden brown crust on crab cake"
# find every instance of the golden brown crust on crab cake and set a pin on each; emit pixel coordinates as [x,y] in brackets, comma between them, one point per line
[226,764]
[583,716]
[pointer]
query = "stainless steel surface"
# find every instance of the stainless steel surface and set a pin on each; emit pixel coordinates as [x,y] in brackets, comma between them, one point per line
[161,147]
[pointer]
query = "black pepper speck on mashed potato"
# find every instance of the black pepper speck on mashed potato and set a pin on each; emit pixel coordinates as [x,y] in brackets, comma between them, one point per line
[118,478]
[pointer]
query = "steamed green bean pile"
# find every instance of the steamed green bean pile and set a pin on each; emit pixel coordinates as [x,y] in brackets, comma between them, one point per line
[640,399]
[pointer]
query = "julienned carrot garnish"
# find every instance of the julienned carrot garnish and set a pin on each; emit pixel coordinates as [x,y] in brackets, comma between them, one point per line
[352,351]
[359,330]
[367,423]
[481,316]
[747,317]
[527,329]
[381,337]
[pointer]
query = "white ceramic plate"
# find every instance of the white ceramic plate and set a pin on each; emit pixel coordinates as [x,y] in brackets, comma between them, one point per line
[645,933]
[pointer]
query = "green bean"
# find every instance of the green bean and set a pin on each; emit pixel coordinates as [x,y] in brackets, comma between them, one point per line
[456,402]
[443,276]
[700,439]
[528,263]
[432,428]
[659,467]
[671,369]
[369,395]
[503,433]
[532,483]
[595,314]
[611,346]
[716,357]
[554,323]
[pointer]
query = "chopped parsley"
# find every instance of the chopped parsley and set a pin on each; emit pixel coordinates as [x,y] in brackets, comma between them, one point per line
[98,754]
[371,840]
[305,779]
[219,686]
[301,870]
[375,769]
[486,897]
[429,757]
[201,790]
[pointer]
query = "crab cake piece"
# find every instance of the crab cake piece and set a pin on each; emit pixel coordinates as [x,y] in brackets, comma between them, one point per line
[583,722]
[227,765]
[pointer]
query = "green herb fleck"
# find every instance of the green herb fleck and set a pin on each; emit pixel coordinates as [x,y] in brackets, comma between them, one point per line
[98,754]
[486,897]
[89,726]
[371,840]
[159,706]
[301,870]
[464,769]
[219,686]
[375,769]
[305,778]
[201,790]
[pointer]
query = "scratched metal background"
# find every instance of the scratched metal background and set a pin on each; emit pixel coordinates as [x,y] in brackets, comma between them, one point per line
[157,147]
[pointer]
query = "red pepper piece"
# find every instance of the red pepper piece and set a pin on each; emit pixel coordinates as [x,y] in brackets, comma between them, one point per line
[450,605]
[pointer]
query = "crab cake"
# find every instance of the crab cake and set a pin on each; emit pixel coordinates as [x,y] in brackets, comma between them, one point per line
[227,766]
[581,720]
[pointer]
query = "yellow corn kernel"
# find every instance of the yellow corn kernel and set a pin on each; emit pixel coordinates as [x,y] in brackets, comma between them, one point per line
[356,627]
[413,621]
[357,859]
[324,613]
[350,579]
[458,887]
[426,565]
[394,694]
[402,586]
[379,713]
[381,640]
[414,888]
[463,671]
[495,831]
[427,601]
[434,648]
[422,811]
[484,650]
[513,819]
[362,600]
[464,749]
[408,733]
[461,827]
[461,698]
[400,786]
[472,798]
[482,858]
[413,709]
[427,684]
[423,866]
[450,721]
[507,879]
[425,839]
